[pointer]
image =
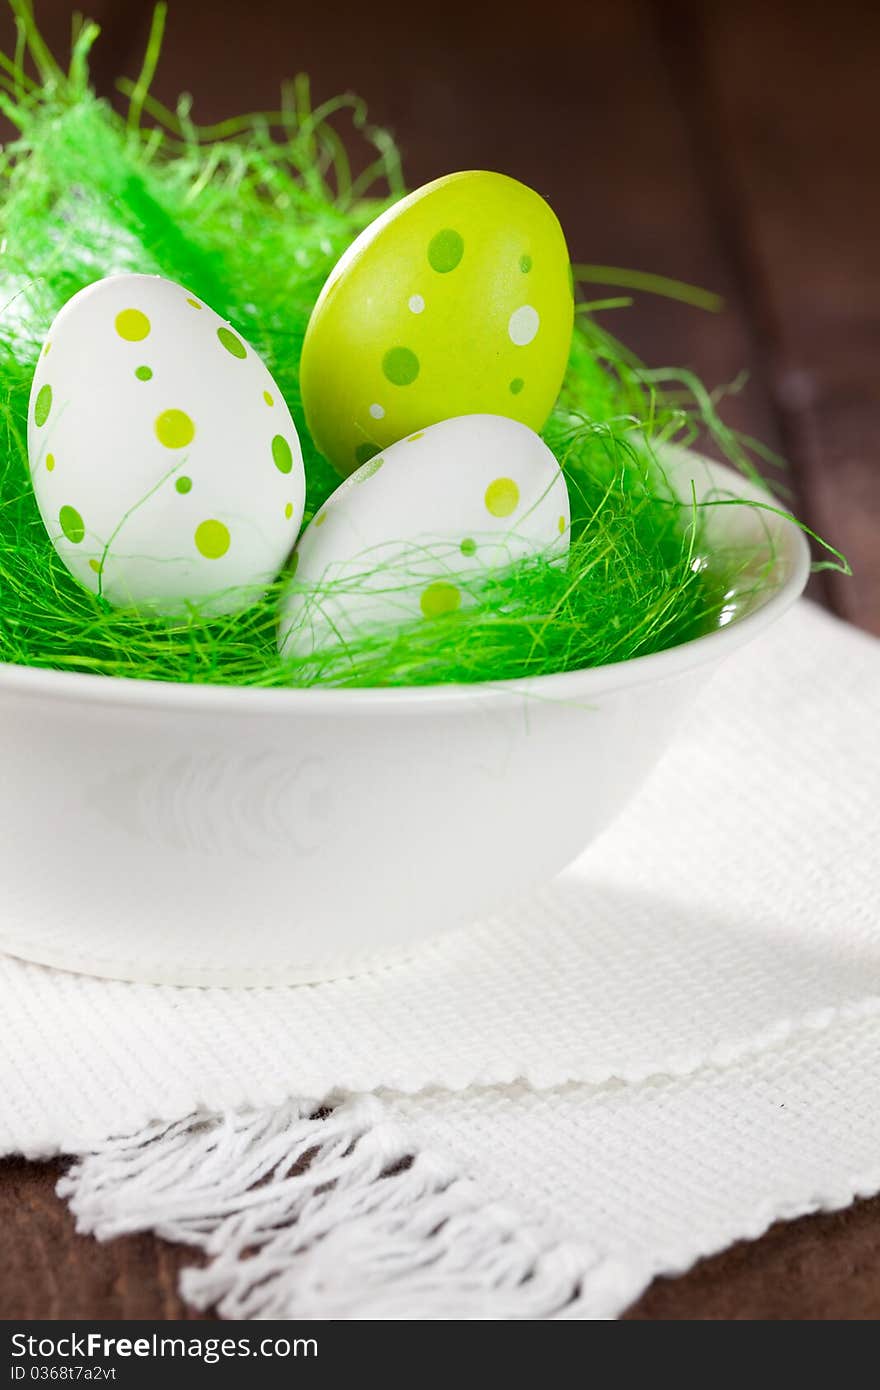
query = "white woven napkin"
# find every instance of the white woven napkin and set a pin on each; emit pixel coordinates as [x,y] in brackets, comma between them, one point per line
[728,921]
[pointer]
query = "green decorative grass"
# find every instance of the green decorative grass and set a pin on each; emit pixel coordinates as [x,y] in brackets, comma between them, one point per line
[251,215]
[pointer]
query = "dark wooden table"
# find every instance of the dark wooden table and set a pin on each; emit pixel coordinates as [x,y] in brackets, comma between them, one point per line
[731,144]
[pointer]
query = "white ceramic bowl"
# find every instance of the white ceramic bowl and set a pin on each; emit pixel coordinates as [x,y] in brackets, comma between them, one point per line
[206,835]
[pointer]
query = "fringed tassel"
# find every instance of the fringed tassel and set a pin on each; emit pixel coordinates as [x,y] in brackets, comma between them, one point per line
[310,1212]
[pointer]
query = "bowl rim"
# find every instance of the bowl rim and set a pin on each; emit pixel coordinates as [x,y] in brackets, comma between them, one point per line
[568,687]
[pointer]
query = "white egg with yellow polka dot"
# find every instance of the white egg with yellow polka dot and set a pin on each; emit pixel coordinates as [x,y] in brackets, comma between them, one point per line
[165,463]
[412,534]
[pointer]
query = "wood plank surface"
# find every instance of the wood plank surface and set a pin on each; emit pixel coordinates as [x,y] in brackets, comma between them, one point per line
[725,142]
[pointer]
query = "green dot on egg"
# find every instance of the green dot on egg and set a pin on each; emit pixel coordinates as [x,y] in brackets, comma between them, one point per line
[144,373]
[212,539]
[232,342]
[184,484]
[72,524]
[95,565]
[445,250]
[525,264]
[281,454]
[401,366]
[516,385]
[468,546]
[42,405]
[364,452]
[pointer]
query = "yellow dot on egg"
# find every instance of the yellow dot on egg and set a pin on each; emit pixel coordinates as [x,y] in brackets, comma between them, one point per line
[46,349]
[195,303]
[132,325]
[95,565]
[502,497]
[413,437]
[439,599]
[268,398]
[212,539]
[50,462]
[288,510]
[561,525]
[174,429]
[320,519]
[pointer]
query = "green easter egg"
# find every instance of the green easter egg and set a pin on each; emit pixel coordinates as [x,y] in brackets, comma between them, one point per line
[457,301]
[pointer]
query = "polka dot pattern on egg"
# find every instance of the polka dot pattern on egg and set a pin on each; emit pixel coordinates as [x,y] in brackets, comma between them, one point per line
[468,496]
[445,276]
[164,458]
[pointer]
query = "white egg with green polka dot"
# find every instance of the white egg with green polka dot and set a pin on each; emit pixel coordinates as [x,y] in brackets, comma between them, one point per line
[165,463]
[412,535]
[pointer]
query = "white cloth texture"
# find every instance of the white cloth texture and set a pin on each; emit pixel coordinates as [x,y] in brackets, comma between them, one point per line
[672,1044]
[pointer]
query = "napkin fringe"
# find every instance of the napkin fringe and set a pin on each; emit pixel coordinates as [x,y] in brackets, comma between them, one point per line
[327,1211]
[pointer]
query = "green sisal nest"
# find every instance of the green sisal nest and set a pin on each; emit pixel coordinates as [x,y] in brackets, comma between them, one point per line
[251,215]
